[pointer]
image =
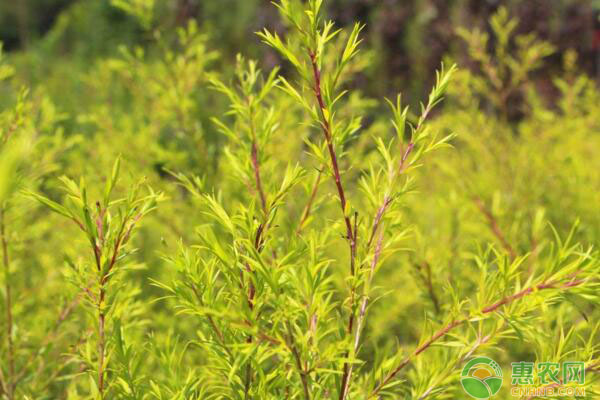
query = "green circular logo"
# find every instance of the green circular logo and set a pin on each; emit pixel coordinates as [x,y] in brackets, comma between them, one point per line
[481,378]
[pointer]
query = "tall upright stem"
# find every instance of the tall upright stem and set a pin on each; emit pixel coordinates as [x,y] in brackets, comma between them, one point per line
[102,282]
[259,235]
[334,164]
[350,231]
[301,370]
[10,384]
[101,339]
[256,165]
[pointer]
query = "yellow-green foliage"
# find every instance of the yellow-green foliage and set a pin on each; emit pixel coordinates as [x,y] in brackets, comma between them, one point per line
[244,233]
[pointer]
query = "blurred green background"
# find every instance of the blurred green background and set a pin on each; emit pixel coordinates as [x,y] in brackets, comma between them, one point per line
[129,77]
[408,37]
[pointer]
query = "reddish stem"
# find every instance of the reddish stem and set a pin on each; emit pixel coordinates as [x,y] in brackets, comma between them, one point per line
[258,240]
[102,281]
[525,292]
[309,205]
[256,167]
[101,342]
[62,317]
[486,310]
[301,370]
[328,137]
[493,223]
[350,233]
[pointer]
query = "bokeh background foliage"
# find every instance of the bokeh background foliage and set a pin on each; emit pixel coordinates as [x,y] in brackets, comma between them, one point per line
[513,205]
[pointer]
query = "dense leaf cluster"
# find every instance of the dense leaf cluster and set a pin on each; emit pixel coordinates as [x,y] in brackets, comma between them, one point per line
[323,245]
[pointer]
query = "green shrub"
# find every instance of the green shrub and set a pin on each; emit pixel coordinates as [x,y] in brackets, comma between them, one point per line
[308,242]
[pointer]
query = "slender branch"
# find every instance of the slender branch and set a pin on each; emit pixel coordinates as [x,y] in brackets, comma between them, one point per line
[263,226]
[248,376]
[212,322]
[486,310]
[427,280]
[57,371]
[256,165]
[10,384]
[378,217]
[387,199]
[525,292]
[62,317]
[326,128]
[303,373]
[91,295]
[478,343]
[350,232]
[442,332]
[251,294]
[363,307]
[403,164]
[101,341]
[100,307]
[311,200]
[258,245]
[493,224]
[122,235]
[102,281]
[11,129]
[348,367]
[118,242]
